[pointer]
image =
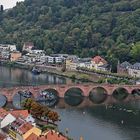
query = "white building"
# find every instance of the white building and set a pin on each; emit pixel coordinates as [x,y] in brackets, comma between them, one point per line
[38,52]
[5,54]
[12,48]
[51,59]
[134,70]
[85,63]
[59,59]
[7,47]
[8,119]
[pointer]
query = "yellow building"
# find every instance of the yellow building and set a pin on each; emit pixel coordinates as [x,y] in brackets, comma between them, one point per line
[33,130]
[71,64]
[15,56]
[21,130]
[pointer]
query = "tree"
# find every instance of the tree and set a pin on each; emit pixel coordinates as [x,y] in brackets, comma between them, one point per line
[53,116]
[135,51]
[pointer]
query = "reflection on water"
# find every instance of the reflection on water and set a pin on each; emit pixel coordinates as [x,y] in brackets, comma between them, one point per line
[15,77]
[74,96]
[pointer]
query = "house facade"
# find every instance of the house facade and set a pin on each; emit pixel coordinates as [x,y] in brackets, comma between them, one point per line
[123,68]
[99,63]
[134,70]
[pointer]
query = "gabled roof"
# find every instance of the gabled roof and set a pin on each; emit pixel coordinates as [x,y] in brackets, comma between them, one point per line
[25,128]
[50,135]
[20,113]
[7,120]
[16,113]
[98,59]
[125,64]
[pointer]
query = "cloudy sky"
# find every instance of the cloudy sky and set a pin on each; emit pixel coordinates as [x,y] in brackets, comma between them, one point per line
[8,3]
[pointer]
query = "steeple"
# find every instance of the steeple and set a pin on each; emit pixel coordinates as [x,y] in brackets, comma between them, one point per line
[1,8]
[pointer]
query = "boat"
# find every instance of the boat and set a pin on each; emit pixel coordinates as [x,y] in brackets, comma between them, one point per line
[36,71]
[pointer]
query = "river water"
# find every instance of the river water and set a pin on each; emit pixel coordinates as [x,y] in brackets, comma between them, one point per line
[98,122]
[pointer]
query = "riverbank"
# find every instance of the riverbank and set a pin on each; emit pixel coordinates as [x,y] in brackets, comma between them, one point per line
[76,76]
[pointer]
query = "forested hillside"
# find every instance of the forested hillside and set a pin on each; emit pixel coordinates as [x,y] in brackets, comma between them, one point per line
[109,28]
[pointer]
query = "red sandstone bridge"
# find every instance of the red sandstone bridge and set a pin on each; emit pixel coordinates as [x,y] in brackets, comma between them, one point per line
[62,89]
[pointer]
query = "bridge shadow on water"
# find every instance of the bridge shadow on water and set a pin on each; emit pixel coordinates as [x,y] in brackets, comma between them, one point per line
[74,103]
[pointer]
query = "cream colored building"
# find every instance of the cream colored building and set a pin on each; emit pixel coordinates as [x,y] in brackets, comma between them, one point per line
[15,56]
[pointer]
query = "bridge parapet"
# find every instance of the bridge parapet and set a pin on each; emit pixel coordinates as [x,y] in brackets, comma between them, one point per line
[61,89]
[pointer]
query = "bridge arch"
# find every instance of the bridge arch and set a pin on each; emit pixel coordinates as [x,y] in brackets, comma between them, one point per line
[120,93]
[3,100]
[74,96]
[19,96]
[136,92]
[98,95]
[48,96]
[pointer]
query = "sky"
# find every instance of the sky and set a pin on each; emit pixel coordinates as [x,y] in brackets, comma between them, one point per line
[9,3]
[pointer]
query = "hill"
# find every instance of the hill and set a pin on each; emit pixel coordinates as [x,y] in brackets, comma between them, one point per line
[83,27]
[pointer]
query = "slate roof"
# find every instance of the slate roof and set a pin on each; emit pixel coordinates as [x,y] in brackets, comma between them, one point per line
[136,66]
[125,65]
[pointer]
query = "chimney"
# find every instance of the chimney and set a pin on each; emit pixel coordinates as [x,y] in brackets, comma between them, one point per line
[51,132]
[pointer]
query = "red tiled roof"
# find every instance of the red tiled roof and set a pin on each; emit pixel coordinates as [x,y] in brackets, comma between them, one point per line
[25,127]
[15,113]
[2,137]
[98,59]
[20,113]
[51,135]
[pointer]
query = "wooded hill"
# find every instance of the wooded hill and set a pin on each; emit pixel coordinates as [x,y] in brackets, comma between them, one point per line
[110,28]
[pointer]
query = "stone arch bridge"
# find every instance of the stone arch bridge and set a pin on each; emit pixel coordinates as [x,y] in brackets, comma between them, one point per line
[61,89]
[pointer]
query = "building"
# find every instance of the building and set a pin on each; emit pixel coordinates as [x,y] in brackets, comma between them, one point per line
[104,67]
[3,137]
[15,56]
[123,67]
[72,62]
[85,63]
[72,65]
[7,47]
[38,52]
[7,117]
[5,55]
[97,62]
[48,135]
[134,70]
[28,46]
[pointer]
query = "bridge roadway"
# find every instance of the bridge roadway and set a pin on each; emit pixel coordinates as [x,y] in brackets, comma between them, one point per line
[61,89]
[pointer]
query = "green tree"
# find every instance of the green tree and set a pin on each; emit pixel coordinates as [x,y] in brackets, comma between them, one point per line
[135,51]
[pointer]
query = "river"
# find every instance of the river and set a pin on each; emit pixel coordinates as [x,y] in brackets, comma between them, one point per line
[114,122]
